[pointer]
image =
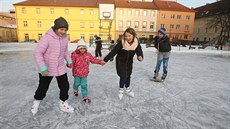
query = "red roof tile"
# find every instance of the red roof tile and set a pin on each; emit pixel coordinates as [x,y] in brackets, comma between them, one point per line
[134,4]
[171,5]
[65,3]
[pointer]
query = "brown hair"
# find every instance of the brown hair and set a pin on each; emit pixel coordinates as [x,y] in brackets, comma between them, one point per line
[132,32]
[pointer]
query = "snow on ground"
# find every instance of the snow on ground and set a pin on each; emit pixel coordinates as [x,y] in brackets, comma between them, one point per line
[195,94]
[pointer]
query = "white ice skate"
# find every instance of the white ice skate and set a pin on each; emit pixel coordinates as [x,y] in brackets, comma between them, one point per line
[35,106]
[129,92]
[121,93]
[65,107]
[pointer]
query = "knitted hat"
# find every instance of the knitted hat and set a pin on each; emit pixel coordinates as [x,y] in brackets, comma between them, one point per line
[60,23]
[81,44]
[162,31]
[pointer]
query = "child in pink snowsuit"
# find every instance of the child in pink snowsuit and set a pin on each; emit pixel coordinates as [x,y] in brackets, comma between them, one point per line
[81,60]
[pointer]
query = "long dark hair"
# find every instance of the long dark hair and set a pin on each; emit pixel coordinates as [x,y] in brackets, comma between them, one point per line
[132,32]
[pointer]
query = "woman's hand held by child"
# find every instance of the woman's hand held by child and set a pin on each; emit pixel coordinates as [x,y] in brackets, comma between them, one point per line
[69,65]
[103,62]
[45,73]
[140,58]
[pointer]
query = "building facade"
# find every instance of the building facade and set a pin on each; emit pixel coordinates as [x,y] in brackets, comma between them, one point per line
[142,16]
[8,31]
[177,19]
[212,23]
[34,18]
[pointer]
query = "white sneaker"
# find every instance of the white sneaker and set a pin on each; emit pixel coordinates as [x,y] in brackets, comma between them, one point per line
[65,107]
[129,92]
[35,106]
[121,93]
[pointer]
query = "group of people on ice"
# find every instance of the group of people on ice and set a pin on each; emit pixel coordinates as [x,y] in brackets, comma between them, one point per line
[51,53]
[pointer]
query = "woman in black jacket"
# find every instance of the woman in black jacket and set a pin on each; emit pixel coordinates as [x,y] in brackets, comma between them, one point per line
[125,50]
[163,46]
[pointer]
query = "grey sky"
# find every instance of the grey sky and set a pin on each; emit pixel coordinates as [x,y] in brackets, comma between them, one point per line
[6,5]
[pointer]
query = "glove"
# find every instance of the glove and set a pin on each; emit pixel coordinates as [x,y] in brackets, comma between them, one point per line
[69,65]
[45,73]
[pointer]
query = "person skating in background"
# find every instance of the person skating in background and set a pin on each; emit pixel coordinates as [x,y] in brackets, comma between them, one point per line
[98,43]
[125,51]
[112,45]
[164,47]
[81,60]
[50,56]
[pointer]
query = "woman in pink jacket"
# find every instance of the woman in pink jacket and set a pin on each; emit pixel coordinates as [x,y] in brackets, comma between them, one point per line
[81,60]
[50,56]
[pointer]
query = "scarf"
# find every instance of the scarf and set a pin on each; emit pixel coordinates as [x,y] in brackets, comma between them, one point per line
[130,47]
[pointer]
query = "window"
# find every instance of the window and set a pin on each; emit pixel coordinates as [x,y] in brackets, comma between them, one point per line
[205,38]
[91,12]
[162,25]
[143,36]
[82,25]
[144,24]
[144,13]
[82,36]
[39,24]
[25,24]
[187,27]
[136,25]
[177,27]
[38,10]
[185,36]
[187,17]
[128,24]
[66,11]
[23,10]
[52,11]
[171,26]
[91,25]
[121,12]
[137,12]
[198,30]
[178,16]
[152,25]
[39,36]
[120,25]
[172,16]
[82,11]
[163,16]
[129,12]
[153,13]
[27,38]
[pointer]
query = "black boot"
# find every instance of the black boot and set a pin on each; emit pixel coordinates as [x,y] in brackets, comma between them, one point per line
[164,76]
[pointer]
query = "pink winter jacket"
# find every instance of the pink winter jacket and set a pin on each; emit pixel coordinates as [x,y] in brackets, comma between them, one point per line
[81,63]
[51,52]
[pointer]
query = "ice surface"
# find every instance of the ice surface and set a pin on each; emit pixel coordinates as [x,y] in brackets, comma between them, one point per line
[195,94]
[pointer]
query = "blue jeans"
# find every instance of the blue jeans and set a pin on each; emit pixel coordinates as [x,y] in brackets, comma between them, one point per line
[81,81]
[162,57]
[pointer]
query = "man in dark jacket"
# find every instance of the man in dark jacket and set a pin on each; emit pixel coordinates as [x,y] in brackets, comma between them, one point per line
[164,47]
[98,42]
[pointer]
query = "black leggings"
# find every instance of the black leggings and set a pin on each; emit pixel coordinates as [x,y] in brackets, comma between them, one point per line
[44,83]
[98,50]
[124,81]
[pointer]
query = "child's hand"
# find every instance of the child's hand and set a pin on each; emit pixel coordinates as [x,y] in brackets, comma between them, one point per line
[140,58]
[103,62]
[69,65]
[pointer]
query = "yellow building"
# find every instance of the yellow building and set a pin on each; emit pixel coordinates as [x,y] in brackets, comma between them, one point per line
[177,19]
[35,17]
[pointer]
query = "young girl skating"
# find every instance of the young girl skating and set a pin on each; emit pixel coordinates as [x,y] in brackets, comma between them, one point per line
[81,60]
[125,51]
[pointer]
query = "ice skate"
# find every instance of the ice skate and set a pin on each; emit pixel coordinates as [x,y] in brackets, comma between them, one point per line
[86,100]
[164,76]
[129,92]
[121,93]
[35,106]
[65,107]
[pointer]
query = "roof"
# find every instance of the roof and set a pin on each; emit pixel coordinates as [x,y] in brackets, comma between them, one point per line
[171,6]
[215,8]
[64,3]
[134,4]
[7,14]
[7,24]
